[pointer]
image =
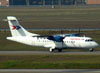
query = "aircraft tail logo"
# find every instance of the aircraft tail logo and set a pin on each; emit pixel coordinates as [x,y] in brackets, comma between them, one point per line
[16,27]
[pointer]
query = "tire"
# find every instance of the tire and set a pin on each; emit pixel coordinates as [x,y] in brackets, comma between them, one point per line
[91,50]
[51,50]
[59,50]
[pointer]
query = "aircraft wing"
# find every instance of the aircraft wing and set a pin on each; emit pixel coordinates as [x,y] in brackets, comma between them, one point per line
[65,35]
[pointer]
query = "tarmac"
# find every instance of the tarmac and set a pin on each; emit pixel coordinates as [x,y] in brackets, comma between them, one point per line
[47,52]
[49,71]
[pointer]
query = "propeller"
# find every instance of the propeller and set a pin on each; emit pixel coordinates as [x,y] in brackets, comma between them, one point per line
[61,31]
[62,38]
[79,32]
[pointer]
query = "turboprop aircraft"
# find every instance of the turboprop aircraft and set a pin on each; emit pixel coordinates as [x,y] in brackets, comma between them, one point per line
[59,42]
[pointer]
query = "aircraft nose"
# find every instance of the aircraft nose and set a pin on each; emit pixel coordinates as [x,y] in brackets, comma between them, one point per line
[96,44]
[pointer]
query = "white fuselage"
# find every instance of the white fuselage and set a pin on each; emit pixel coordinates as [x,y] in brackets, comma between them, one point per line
[21,35]
[68,42]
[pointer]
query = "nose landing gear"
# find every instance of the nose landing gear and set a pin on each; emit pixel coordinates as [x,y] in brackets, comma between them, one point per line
[91,50]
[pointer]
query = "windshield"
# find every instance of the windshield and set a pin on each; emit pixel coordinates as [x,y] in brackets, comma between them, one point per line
[88,40]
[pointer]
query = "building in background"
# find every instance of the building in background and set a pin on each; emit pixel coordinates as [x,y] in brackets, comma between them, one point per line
[46,2]
[4,2]
[93,2]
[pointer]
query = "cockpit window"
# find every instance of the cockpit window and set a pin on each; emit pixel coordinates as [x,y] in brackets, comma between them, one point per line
[88,40]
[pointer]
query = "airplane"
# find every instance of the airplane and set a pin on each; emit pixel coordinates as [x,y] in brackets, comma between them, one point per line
[59,42]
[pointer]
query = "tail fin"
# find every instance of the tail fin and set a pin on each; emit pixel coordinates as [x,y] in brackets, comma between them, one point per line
[16,29]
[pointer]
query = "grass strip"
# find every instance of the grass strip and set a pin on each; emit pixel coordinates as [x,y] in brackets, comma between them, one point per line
[51,61]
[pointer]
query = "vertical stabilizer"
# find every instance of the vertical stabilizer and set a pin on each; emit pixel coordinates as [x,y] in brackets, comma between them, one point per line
[16,29]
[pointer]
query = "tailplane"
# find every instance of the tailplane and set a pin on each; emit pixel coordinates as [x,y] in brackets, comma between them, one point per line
[16,29]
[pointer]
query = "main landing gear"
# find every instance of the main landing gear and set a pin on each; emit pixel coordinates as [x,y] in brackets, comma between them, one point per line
[59,50]
[52,50]
[91,50]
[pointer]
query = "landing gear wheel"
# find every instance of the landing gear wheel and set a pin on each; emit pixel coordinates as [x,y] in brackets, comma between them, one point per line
[51,50]
[59,50]
[91,50]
